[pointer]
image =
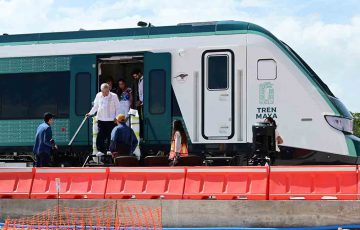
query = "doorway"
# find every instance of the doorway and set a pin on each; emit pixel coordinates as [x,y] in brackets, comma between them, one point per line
[114,68]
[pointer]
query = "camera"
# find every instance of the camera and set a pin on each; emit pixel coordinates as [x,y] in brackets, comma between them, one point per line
[263,146]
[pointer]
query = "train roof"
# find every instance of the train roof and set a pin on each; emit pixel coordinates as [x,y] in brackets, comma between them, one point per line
[180,30]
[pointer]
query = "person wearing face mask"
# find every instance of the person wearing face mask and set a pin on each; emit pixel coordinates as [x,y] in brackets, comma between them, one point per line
[107,107]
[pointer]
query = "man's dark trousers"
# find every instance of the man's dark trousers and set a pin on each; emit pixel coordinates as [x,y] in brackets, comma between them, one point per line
[42,160]
[104,135]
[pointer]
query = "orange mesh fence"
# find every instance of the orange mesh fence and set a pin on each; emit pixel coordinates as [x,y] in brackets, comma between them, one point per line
[110,216]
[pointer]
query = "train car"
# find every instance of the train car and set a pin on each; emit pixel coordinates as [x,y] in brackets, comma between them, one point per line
[218,78]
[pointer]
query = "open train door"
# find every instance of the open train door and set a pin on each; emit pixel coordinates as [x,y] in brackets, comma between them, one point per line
[157,98]
[82,88]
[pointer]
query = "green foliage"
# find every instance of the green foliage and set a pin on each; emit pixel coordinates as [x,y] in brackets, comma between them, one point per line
[356,123]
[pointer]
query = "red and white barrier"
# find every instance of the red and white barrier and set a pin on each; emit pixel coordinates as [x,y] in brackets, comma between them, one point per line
[69,183]
[145,183]
[227,183]
[313,183]
[16,182]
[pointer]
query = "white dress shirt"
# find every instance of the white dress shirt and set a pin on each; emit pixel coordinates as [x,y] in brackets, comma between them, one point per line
[107,108]
[141,89]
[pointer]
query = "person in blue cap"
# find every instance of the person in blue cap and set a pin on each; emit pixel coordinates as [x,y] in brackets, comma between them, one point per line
[44,144]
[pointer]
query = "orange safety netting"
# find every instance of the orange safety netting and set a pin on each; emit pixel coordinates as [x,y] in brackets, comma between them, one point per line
[110,216]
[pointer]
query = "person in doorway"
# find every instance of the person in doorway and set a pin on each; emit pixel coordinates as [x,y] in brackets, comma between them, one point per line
[123,139]
[107,106]
[278,138]
[125,97]
[179,145]
[138,76]
[44,144]
[110,82]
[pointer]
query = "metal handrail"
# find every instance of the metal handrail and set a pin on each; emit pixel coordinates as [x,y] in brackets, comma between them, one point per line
[78,130]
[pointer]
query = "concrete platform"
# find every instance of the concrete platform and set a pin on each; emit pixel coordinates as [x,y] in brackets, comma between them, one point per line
[216,213]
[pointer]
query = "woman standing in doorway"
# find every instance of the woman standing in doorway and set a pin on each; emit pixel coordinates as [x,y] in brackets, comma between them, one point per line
[179,145]
[125,97]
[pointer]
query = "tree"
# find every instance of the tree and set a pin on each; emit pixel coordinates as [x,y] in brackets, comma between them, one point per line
[356,123]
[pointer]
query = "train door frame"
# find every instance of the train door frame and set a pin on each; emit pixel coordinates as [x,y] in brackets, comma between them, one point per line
[221,94]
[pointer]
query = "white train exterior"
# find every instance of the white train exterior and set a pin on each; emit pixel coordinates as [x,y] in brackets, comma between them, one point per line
[223,78]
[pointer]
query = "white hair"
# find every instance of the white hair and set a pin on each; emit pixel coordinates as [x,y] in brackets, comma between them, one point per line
[104,86]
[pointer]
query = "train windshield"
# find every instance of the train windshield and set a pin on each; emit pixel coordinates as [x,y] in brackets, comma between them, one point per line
[335,101]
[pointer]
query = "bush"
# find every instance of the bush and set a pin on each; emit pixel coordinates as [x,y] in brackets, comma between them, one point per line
[356,124]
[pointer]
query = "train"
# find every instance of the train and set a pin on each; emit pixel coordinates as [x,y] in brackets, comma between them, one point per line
[219,78]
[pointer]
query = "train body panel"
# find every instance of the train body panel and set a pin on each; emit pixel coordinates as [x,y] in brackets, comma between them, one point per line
[293,100]
[219,80]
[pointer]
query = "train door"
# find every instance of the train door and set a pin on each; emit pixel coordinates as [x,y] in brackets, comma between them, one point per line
[82,88]
[218,94]
[157,97]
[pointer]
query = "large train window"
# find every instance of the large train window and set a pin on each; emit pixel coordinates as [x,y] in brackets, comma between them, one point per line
[30,95]
[82,93]
[218,72]
[266,69]
[157,83]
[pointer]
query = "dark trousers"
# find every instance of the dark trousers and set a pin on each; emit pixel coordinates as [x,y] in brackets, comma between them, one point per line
[42,160]
[104,135]
[141,121]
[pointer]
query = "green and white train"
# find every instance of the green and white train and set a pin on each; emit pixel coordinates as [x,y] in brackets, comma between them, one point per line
[219,78]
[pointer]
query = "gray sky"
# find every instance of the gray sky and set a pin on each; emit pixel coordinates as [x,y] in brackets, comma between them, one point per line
[326,33]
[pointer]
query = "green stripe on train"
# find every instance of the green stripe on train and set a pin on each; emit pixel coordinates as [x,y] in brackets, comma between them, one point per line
[22,132]
[35,64]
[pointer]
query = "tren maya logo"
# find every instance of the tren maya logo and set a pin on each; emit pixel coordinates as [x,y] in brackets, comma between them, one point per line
[266,93]
[266,106]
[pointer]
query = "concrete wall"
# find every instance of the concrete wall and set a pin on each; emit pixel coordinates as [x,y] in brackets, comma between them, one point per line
[214,213]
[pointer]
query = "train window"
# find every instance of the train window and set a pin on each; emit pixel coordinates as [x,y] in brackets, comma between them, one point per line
[218,72]
[82,93]
[157,83]
[266,69]
[30,95]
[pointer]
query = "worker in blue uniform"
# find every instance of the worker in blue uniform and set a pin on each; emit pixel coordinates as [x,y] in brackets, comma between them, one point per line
[123,139]
[44,144]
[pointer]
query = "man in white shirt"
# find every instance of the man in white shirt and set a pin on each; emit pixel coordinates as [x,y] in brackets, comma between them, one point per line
[137,75]
[107,107]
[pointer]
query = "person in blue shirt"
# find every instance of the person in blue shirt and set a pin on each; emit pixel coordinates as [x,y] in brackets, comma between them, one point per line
[44,142]
[123,139]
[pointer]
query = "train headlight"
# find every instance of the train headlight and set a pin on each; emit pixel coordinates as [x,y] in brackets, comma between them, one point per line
[340,123]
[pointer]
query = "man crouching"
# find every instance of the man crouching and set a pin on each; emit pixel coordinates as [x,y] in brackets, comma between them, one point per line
[123,139]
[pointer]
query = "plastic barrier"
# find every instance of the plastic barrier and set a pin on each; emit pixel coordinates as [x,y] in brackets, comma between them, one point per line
[313,183]
[16,182]
[246,183]
[145,183]
[69,183]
